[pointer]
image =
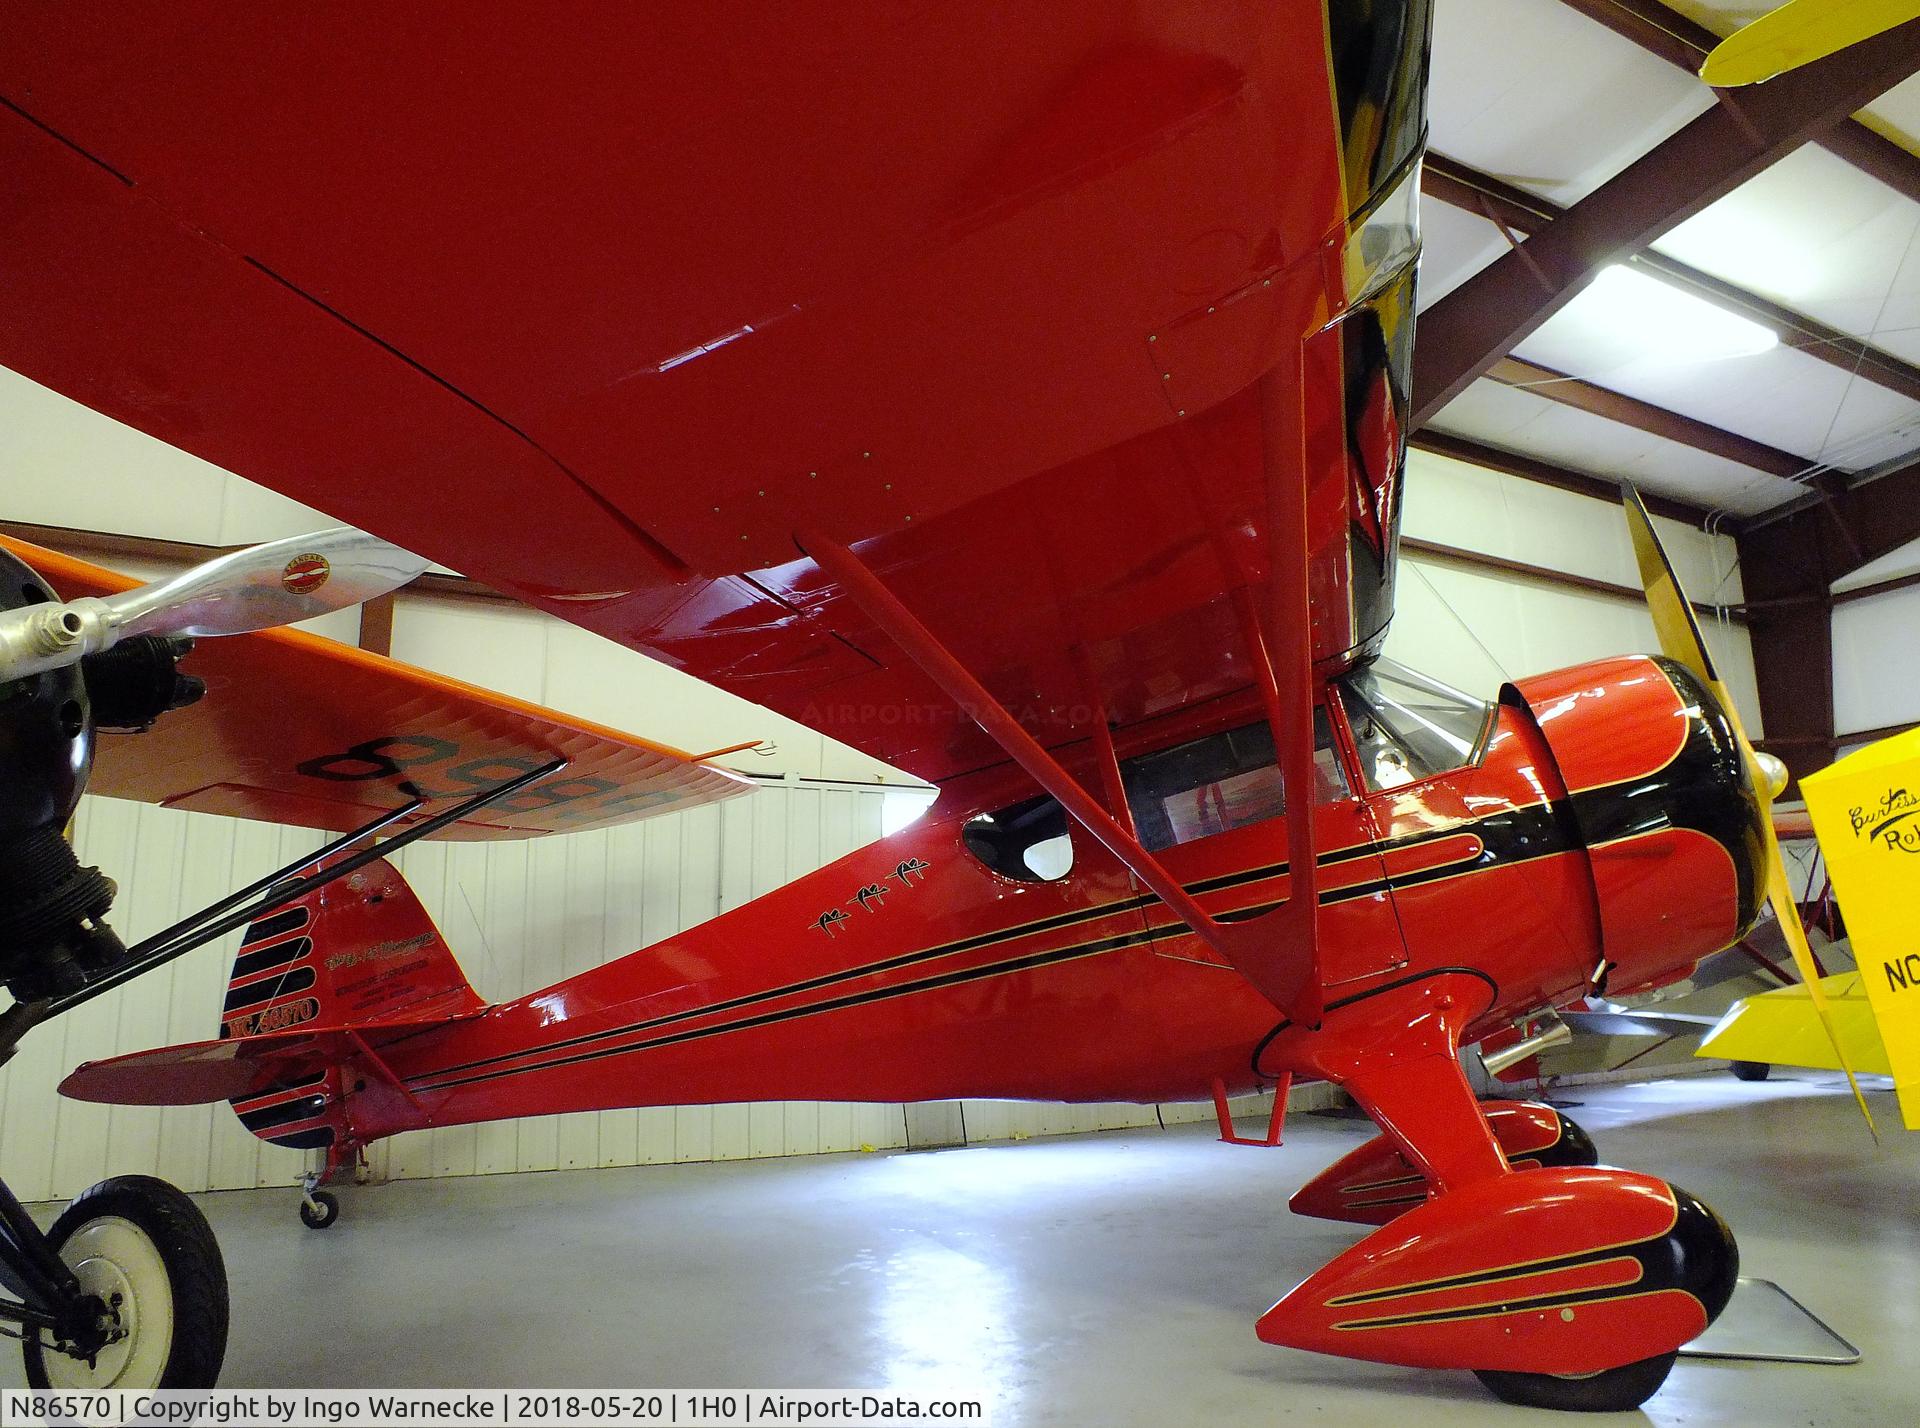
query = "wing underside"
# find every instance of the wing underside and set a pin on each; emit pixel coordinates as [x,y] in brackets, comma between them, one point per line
[985,291]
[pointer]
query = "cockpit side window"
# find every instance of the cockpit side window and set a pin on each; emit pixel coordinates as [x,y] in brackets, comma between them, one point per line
[1407,726]
[1027,841]
[1226,780]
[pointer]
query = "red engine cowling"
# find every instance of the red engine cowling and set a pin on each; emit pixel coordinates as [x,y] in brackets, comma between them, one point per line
[1559,1271]
[1374,1183]
[1665,804]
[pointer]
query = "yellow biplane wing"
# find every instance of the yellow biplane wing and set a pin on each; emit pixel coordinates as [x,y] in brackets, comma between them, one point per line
[1781,1028]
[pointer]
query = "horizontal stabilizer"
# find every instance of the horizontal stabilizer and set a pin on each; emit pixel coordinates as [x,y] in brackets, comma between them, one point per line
[300,730]
[230,1068]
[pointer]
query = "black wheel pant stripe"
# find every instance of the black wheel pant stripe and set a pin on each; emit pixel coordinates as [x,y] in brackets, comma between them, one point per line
[1694,1255]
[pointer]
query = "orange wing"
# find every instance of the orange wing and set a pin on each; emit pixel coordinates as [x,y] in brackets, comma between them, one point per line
[297,729]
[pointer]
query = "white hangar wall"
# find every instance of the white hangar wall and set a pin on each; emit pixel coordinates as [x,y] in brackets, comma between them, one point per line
[1475,627]
[524,915]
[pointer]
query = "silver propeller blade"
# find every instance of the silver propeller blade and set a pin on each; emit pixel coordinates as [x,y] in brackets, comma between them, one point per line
[278,583]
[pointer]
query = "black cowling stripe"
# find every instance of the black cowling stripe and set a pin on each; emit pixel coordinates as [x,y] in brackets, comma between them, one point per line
[1706,788]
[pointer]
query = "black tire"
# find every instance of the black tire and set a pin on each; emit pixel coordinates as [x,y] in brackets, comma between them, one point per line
[324,1210]
[1752,1070]
[196,1281]
[1609,1391]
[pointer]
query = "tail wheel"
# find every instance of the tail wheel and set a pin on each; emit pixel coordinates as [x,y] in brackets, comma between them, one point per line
[1609,1391]
[147,1254]
[1752,1070]
[319,1209]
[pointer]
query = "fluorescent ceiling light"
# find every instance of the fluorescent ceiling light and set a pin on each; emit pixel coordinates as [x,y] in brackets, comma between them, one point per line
[1665,324]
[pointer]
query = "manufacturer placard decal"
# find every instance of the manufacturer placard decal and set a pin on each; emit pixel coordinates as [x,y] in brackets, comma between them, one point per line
[1889,821]
[305,574]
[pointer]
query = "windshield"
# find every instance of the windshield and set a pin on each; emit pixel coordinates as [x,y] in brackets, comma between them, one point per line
[1408,726]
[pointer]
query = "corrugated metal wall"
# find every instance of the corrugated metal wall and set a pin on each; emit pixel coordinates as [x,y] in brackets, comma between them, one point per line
[520,916]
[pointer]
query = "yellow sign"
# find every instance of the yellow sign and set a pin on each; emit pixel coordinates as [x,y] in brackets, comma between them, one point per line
[1866,814]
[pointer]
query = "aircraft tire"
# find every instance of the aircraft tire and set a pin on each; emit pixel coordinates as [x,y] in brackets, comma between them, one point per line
[143,1240]
[1609,1391]
[1752,1070]
[320,1210]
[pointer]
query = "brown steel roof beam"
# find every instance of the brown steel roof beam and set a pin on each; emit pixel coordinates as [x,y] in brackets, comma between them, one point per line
[1802,551]
[1787,566]
[376,625]
[1878,587]
[1463,334]
[1615,406]
[1684,43]
[1654,27]
[1545,575]
[1520,212]
[1532,468]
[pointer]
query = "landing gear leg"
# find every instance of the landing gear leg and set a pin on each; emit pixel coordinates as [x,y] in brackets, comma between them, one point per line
[1566,1286]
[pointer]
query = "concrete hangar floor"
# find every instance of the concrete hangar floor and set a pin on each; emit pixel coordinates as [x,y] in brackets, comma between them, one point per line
[1101,1279]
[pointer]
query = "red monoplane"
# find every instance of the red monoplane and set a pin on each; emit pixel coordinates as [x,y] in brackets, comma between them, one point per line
[1017,395]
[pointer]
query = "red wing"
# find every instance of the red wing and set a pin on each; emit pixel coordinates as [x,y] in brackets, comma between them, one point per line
[297,729]
[605,313]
